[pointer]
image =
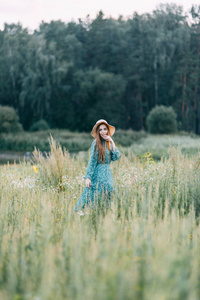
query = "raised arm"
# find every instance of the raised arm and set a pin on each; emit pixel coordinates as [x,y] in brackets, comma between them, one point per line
[115,154]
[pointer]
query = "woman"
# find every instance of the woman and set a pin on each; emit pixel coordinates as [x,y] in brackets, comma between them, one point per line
[99,180]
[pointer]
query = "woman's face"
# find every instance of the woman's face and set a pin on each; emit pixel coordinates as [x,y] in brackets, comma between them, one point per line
[103,130]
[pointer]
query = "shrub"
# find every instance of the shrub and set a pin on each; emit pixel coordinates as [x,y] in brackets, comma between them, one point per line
[162,119]
[126,138]
[9,120]
[39,125]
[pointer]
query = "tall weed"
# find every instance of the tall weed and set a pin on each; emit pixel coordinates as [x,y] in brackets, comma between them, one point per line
[53,166]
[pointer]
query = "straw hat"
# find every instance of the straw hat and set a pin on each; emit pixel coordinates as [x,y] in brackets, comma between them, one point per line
[101,121]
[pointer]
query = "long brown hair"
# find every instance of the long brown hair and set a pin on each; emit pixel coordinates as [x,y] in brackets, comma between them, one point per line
[99,144]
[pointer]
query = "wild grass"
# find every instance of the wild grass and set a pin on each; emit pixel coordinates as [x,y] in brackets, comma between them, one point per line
[72,141]
[27,141]
[158,145]
[145,247]
[52,166]
[137,142]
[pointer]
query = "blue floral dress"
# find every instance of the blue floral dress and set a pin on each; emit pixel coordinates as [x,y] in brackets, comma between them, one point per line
[101,178]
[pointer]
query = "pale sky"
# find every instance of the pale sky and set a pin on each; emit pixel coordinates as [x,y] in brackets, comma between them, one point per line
[30,13]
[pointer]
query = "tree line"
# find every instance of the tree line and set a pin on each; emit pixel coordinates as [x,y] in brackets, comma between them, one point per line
[71,74]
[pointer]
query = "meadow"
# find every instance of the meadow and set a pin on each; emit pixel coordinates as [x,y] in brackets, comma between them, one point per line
[146,246]
[72,141]
[138,142]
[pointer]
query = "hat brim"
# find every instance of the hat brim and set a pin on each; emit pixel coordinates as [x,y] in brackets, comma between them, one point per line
[94,129]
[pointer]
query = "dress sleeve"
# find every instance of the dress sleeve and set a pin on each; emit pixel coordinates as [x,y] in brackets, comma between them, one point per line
[92,162]
[115,154]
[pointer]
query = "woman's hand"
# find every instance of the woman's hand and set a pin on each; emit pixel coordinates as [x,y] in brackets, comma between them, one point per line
[107,138]
[88,183]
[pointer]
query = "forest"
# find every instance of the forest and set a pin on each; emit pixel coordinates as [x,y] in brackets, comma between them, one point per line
[71,74]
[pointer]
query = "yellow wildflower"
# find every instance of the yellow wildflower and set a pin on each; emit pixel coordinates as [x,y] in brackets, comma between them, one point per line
[35,169]
[137,258]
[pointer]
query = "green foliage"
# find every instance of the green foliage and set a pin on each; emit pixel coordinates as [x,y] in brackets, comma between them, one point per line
[158,145]
[126,138]
[100,95]
[9,120]
[39,126]
[138,143]
[14,44]
[27,141]
[162,119]
[72,74]
[72,141]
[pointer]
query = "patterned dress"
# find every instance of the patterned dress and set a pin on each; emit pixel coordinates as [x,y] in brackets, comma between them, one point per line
[102,183]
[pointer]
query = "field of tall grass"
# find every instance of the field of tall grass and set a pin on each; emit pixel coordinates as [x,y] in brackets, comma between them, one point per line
[145,247]
[158,145]
[72,141]
[128,140]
